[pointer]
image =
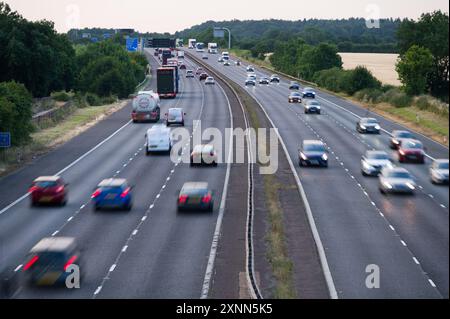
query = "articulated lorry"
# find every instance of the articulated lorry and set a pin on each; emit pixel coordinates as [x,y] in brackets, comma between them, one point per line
[192,43]
[167,82]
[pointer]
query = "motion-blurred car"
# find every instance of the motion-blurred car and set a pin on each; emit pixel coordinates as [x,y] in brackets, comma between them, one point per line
[158,139]
[399,136]
[48,190]
[309,93]
[294,85]
[295,97]
[113,193]
[274,78]
[210,81]
[226,63]
[250,82]
[220,59]
[373,162]
[264,81]
[312,107]
[439,171]
[238,62]
[368,125]
[411,151]
[205,57]
[251,76]
[396,180]
[204,155]
[195,196]
[48,260]
[190,74]
[175,116]
[313,153]
[203,76]
[250,69]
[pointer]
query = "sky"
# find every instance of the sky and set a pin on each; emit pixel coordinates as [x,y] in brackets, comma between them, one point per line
[176,15]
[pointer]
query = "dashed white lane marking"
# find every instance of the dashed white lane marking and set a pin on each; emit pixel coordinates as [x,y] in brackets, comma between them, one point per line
[97,291]
[431,195]
[135,232]
[55,233]
[392,227]
[18,268]
[83,206]
[151,206]
[403,243]
[144,218]
[70,219]
[158,196]
[443,206]
[164,187]
[124,249]
[432,283]
[112,268]
[416,261]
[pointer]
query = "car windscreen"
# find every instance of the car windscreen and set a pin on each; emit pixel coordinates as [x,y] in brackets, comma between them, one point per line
[370,121]
[398,175]
[314,148]
[45,184]
[174,113]
[413,145]
[46,259]
[404,135]
[377,156]
[314,103]
[443,165]
[295,94]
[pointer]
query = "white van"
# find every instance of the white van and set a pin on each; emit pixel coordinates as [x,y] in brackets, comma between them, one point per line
[158,139]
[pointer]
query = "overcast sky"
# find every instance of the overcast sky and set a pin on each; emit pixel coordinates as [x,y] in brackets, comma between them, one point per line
[175,15]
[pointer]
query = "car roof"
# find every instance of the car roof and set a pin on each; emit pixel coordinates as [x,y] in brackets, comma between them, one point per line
[376,152]
[112,182]
[413,141]
[195,186]
[312,142]
[396,169]
[203,146]
[441,160]
[175,109]
[210,77]
[47,179]
[368,119]
[295,93]
[56,244]
[309,88]
[313,102]
[400,131]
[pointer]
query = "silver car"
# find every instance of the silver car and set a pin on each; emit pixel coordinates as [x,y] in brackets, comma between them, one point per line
[439,171]
[373,162]
[396,180]
[210,81]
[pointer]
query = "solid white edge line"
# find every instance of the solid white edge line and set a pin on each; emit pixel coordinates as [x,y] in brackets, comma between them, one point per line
[70,165]
[318,241]
[215,242]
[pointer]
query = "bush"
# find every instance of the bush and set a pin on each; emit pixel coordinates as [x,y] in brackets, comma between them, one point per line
[61,96]
[397,98]
[79,100]
[359,79]
[331,79]
[109,99]
[93,99]
[369,95]
[429,103]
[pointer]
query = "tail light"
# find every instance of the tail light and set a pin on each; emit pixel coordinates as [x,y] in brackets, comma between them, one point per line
[31,263]
[70,262]
[182,199]
[60,189]
[207,199]
[96,193]
[33,189]
[402,152]
[125,193]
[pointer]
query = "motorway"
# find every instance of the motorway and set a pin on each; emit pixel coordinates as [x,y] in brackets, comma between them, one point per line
[407,237]
[150,252]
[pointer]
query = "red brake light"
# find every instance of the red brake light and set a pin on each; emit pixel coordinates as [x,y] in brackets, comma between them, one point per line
[31,263]
[33,188]
[60,189]
[125,193]
[96,193]
[206,199]
[182,199]
[402,152]
[70,262]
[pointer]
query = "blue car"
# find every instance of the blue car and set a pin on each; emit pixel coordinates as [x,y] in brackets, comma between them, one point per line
[309,93]
[113,193]
[313,153]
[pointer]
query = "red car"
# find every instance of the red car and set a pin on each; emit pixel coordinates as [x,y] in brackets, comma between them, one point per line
[411,151]
[203,76]
[48,190]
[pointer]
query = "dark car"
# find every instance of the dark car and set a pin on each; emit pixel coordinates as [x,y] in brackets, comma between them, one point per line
[295,97]
[250,81]
[182,66]
[48,261]
[312,107]
[411,151]
[313,153]
[203,76]
[309,93]
[398,137]
[113,193]
[48,190]
[294,86]
[368,125]
[195,196]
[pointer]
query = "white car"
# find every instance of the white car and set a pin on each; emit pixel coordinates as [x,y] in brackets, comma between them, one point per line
[226,63]
[204,154]
[210,81]
[190,74]
[158,139]
[373,162]
[312,107]
[175,116]
[396,180]
[439,171]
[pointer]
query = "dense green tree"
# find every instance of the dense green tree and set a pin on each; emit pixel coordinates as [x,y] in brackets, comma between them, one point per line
[414,69]
[317,58]
[360,78]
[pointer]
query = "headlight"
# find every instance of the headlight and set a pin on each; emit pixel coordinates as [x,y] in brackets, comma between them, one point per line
[367,165]
[387,185]
[396,142]
[325,157]
[411,186]
[303,156]
[363,127]
[377,127]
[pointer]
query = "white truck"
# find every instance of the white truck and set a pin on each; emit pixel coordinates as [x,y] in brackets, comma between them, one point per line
[212,48]
[146,107]
[191,43]
[180,54]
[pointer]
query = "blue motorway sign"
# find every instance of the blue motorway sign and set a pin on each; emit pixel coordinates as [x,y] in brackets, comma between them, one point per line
[132,44]
[5,139]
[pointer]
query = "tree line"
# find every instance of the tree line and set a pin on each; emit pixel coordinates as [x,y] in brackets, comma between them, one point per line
[35,61]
